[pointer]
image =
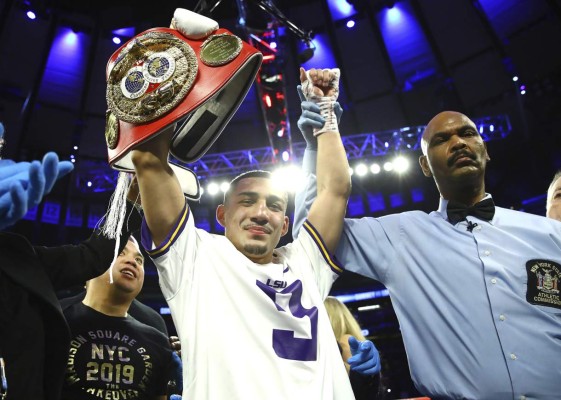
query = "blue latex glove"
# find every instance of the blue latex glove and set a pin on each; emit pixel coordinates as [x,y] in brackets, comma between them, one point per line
[54,170]
[365,357]
[175,397]
[11,172]
[13,205]
[23,185]
[311,118]
[177,375]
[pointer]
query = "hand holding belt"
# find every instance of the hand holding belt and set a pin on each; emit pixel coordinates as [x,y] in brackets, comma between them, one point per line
[194,76]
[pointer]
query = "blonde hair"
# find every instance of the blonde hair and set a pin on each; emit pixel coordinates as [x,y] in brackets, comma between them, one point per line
[342,321]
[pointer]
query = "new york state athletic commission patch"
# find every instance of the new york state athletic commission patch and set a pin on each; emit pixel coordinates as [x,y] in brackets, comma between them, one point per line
[543,283]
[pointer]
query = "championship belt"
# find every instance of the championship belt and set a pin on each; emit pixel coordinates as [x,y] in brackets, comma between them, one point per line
[194,76]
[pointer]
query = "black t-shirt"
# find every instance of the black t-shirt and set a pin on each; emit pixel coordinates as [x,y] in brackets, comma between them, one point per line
[114,357]
[21,330]
[137,310]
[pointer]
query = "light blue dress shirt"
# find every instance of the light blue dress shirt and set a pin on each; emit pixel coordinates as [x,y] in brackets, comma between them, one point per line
[480,317]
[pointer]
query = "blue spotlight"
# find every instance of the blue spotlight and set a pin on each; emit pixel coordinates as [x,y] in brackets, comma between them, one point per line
[70,39]
[340,9]
[407,45]
[65,70]
[116,40]
[350,23]
[394,15]
[124,32]
[31,15]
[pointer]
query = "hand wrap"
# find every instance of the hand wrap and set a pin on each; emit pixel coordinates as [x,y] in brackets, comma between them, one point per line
[326,103]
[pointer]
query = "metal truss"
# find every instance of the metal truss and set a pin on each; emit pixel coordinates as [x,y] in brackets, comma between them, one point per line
[96,176]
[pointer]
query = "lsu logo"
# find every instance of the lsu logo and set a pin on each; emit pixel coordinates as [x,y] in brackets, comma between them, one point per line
[276,284]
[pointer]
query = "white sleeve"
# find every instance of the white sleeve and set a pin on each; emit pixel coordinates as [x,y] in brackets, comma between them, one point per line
[325,267]
[175,257]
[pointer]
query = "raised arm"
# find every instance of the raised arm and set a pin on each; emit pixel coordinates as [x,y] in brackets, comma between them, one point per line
[160,191]
[333,178]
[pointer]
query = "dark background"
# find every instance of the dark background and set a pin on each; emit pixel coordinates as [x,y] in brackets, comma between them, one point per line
[400,66]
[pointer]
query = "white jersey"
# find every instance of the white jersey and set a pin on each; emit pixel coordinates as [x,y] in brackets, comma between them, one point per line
[250,331]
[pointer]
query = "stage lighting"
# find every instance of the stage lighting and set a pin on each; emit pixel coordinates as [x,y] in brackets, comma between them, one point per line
[361,169]
[289,178]
[400,164]
[375,168]
[212,188]
[31,15]
[307,53]
[224,186]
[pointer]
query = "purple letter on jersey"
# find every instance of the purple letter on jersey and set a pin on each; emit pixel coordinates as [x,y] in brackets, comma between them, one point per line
[284,343]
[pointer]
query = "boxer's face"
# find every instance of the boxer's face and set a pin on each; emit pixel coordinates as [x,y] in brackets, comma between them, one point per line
[254,218]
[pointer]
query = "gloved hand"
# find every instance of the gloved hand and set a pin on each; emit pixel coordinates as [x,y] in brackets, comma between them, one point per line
[53,170]
[177,375]
[23,185]
[13,205]
[11,172]
[365,357]
[311,118]
[175,397]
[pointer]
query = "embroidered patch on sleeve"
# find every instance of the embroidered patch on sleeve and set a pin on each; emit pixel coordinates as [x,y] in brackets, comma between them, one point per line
[543,283]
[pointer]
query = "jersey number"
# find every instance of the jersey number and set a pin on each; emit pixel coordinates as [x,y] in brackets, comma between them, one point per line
[285,344]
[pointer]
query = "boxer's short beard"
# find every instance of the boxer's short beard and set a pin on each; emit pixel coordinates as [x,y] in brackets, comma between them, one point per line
[255,250]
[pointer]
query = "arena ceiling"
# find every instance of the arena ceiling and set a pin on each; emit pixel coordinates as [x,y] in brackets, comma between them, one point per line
[401,63]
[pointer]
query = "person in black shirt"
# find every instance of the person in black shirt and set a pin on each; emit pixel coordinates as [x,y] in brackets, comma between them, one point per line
[34,336]
[112,355]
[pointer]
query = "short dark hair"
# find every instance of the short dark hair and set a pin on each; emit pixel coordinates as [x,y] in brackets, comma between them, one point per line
[256,173]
